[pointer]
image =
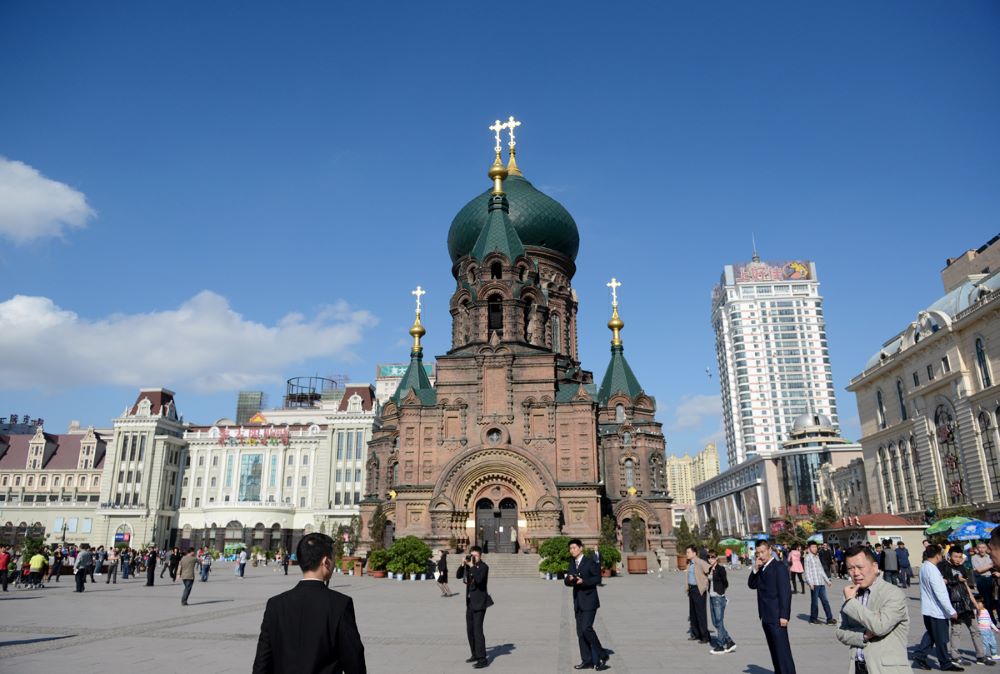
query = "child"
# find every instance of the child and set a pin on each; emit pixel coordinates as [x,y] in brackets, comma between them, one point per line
[986,629]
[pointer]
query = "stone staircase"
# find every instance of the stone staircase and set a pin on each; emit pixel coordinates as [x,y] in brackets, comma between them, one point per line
[511,566]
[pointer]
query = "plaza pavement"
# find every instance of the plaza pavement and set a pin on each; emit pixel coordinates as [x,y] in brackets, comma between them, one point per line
[406,626]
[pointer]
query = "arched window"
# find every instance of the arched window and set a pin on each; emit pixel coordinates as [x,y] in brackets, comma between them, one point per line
[883,465]
[619,413]
[946,432]
[880,408]
[897,485]
[987,433]
[495,314]
[394,474]
[906,460]
[626,438]
[43,482]
[496,271]
[902,402]
[31,480]
[983,364]
[529,317]
[556,334]
[17,480]
[918,485]
[629,473]
[69,481]
[83,481]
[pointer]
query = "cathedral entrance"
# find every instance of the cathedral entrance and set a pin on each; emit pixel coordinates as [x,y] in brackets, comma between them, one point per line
[496,525]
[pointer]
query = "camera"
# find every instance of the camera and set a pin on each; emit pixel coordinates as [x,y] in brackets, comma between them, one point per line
[468,558]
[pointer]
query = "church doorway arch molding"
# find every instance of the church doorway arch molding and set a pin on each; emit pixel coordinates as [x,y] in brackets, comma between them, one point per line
[467,474]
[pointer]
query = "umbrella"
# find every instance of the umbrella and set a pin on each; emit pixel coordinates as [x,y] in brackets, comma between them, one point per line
[729,542]
[946,526]
[972,531]
[817,538]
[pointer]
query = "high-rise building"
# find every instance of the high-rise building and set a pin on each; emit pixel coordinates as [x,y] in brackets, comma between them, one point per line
[684,472]
[248,404]
[774,364]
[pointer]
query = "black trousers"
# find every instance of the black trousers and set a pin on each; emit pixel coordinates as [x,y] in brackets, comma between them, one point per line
[781,650]
[81,577]
[474,628]
[698,613]
[4,579]
[590,646]
[936,636]
[150,573]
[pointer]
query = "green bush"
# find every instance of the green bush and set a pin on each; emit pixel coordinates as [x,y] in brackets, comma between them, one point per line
[555,555]
[610,556]
[377,560]
[409,554]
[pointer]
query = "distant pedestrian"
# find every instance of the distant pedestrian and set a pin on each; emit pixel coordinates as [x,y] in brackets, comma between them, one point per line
[442,579]
[826,559]
[957,579]
[936,608]
[57,562]
[774,606]
[285,559]
[890,563]
[984,569]
[875,618]
[5,559]
[242,561]
[36,565]
[206,564]
[186,570]
[818,583]
[795,568]
[718,583]
[987,629]
[697,592]
[905,568]
[175,560]
[84,564]
[112,569]
[151,567]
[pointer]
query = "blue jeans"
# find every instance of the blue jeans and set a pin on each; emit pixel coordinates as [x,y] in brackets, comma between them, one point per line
[188,584]
[989,642]
[905,574]
[718,616]
[205,568]
[819,593]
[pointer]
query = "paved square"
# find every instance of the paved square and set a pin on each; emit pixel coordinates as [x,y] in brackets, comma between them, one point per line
[406,626]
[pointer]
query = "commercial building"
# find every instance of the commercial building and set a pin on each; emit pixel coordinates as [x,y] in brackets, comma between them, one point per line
[845,488]
[757,495]
[774,363]
[248,404]
[928,403]
[684,472]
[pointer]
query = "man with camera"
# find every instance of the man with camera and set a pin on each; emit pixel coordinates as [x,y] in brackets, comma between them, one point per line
[957,581]
[475,574]
[584,576]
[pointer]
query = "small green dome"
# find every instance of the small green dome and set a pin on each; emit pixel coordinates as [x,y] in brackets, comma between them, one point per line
[538,219]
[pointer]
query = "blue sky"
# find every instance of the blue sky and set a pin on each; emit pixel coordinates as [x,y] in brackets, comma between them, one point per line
[215,196]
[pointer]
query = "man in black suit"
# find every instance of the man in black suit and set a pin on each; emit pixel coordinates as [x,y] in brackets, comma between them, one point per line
[584,576]
[476,573]
[310,629]
[774,606]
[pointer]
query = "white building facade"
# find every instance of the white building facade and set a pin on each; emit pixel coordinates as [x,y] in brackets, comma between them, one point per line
[773,358]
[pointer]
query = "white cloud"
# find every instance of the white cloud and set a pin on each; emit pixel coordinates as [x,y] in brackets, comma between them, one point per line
[35,207]
[693,410]
[203,344]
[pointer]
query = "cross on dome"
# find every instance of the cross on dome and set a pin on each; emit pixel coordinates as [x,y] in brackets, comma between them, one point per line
[419,292]
[615,284]
[512,124]
[497,127]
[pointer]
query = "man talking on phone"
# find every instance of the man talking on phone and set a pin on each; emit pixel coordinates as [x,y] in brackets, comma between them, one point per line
[875,622]
[476,573]
[774,606]
[584,576]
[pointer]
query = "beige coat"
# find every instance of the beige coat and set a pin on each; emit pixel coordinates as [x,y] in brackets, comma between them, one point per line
[885,616]
[701,568]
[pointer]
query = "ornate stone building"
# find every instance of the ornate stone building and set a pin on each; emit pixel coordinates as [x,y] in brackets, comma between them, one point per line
[514,443]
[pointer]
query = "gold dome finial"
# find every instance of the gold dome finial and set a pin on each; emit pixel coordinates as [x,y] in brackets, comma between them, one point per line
[512,168]
[616,323]
[497,171]
[417,330]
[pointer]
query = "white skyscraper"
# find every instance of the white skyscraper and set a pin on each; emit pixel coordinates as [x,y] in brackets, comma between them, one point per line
[774,364]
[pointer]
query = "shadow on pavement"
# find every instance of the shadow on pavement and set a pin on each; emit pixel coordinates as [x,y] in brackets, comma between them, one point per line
[20,642]
[497,651]
[211,601]
[757,669]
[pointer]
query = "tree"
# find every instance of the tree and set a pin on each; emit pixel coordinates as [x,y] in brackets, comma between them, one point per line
[711,536]
[826,518]
[636,533]
[555,555]
[376,528]
[609,532]
[683,535]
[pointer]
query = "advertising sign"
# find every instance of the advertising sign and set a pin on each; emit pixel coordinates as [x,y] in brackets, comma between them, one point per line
[757,272]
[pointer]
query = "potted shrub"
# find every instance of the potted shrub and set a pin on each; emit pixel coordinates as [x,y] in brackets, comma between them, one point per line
[555,556]
[637,539]
[610,558]
[377,559]
[408,554]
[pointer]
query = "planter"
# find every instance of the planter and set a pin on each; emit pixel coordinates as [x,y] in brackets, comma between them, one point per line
[414,577]
[636,564]
[347,563]
[682,563]
[377,574]
[606,573]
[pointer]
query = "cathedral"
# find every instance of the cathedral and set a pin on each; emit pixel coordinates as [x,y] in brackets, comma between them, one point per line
[515,443]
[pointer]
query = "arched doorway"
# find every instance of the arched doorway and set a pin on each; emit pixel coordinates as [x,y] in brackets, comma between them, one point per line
[507,535]
[496,525]
[389,535]
[634,534]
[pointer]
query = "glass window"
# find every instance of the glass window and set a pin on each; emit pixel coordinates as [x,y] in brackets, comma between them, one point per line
[305,480]
[988,435]
[880,409]
[86,526]
[305,459]
[273,479]
[916,379]
[629,473]
[619,413]
[251,475]
[336,498]
[291,460]
[340,445]
[983,365]
[945,365]
[930,373]
[946,432]
[338,476]
[357,475]
[229,471]
[902,401]
[288,481]
[350,444]
[211,482]
[142,446]
[359,444]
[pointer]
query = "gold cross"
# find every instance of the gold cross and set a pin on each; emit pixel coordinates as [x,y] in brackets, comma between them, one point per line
[614,285]
[418,292]
[497,127]
[511,125]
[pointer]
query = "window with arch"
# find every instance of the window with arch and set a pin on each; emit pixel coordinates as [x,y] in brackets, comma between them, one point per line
[917,483]
[880,408]
[495,314]
[946,432]
[983,364]
[626,439]
[394,474]
[629,473]
[619,413]
[496,271]
[902,401]
[43,482]
[897,484]
[556,334]
[988,433]
[17,480]
[883,465]
[31,480]
[6,480]
[83,481]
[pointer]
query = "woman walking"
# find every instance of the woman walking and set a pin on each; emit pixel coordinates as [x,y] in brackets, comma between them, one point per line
[443,575]
[796,569]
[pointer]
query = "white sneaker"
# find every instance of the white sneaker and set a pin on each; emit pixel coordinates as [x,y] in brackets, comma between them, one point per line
[995,657]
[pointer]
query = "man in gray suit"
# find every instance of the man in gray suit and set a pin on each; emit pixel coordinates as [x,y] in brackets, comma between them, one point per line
[875,622]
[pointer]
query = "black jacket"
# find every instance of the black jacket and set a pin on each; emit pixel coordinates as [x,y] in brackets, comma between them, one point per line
[774,592]
[309,630]
[476,578]
[442,567]
[720,581]
[585,595]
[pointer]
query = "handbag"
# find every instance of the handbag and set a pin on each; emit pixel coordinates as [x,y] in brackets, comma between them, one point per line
[489,600]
